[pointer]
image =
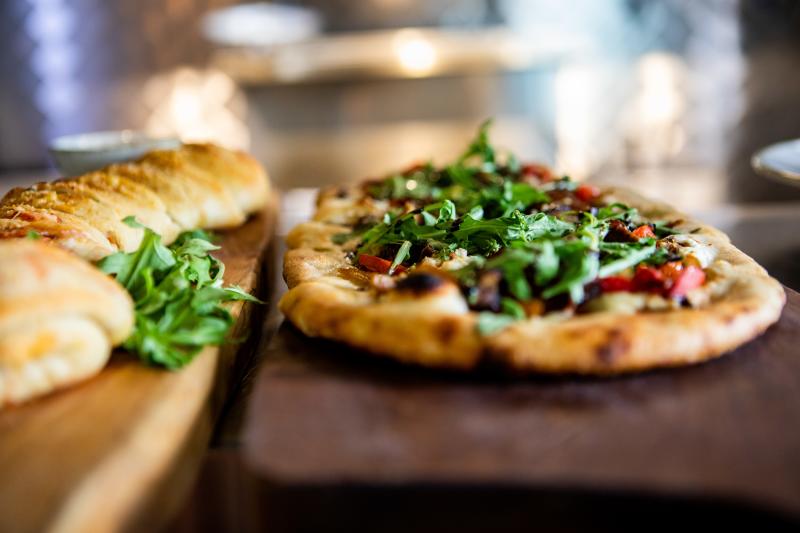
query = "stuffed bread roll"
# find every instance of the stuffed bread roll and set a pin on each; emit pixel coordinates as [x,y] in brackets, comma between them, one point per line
[59,319]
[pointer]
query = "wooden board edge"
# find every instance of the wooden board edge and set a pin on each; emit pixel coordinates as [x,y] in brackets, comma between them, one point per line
[120,501]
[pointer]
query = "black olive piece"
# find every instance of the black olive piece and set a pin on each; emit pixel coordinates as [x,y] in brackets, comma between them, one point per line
[619,232]
[488,287]
[557,303]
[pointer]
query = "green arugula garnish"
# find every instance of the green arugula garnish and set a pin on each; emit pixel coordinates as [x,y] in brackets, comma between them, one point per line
[401,256]
[481,149]
[178,294]
[472,180]
[546,241]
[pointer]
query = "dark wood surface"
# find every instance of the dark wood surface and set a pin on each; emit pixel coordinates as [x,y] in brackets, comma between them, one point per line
[344,425]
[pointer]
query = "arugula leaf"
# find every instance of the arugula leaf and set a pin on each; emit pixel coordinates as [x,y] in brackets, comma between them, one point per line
[475,178]
[401,256]
[484,236]
[547,263]
[476,212]
[481,148]
[616,210]
[178,296]
[512,263]
[541,225]
[523,194]
[131,221]
[372,237]
[447,212]
[462,176]
[428,219]
[581,267]
[131,269]
[512,308]
[626,255]
[510,311]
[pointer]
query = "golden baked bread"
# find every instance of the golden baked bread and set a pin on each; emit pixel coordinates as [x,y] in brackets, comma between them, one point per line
[60,316]
[59,319]
[169,191]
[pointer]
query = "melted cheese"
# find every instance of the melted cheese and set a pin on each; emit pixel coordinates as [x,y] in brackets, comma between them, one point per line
[630,303]
[687,245]
[447,299]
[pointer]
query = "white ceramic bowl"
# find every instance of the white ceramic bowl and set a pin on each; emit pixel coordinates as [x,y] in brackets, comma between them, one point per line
[84,152]
[780,161]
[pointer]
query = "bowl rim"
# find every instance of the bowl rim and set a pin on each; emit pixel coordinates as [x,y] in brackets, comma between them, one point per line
[107,141]
[761,165]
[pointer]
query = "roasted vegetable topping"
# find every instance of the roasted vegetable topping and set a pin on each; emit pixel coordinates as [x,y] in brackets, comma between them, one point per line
[533,243]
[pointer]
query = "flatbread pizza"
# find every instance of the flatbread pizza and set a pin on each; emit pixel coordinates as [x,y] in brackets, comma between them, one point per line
[487,261]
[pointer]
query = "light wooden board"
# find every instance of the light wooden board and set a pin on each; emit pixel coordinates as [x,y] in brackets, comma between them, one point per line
[90,458]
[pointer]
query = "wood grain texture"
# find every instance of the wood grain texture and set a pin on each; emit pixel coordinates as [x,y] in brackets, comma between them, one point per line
[323,415]
[89,457]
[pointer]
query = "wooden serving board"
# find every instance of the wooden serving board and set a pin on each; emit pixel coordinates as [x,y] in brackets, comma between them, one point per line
[117,451]
[323,415]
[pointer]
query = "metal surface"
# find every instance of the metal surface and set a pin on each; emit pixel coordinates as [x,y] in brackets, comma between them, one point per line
[404,53]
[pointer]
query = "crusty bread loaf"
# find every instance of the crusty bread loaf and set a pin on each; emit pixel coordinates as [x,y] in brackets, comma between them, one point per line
[197,185]
[59,319]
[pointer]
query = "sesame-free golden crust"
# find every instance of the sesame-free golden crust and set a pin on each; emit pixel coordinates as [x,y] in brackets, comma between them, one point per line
[169,191]
[434,330]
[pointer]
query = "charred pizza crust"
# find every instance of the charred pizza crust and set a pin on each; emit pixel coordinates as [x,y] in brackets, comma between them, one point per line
[433,326]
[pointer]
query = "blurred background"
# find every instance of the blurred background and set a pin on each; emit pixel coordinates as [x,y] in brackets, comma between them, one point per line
[671,96]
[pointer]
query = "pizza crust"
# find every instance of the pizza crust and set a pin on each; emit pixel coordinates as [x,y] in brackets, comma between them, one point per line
[739,301]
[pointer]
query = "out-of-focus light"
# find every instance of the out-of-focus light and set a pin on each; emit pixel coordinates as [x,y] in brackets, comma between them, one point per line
[196,105]
[655,127]
[661,98]
[574,101]
[411,185]
[415,54]
[54,61]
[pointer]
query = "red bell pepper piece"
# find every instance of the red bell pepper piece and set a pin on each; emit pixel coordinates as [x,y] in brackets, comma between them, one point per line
[541,172]
[688,278]
[615,284]
[670,271]
[648,279]
[586,192]
[644,231]
[378,264]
